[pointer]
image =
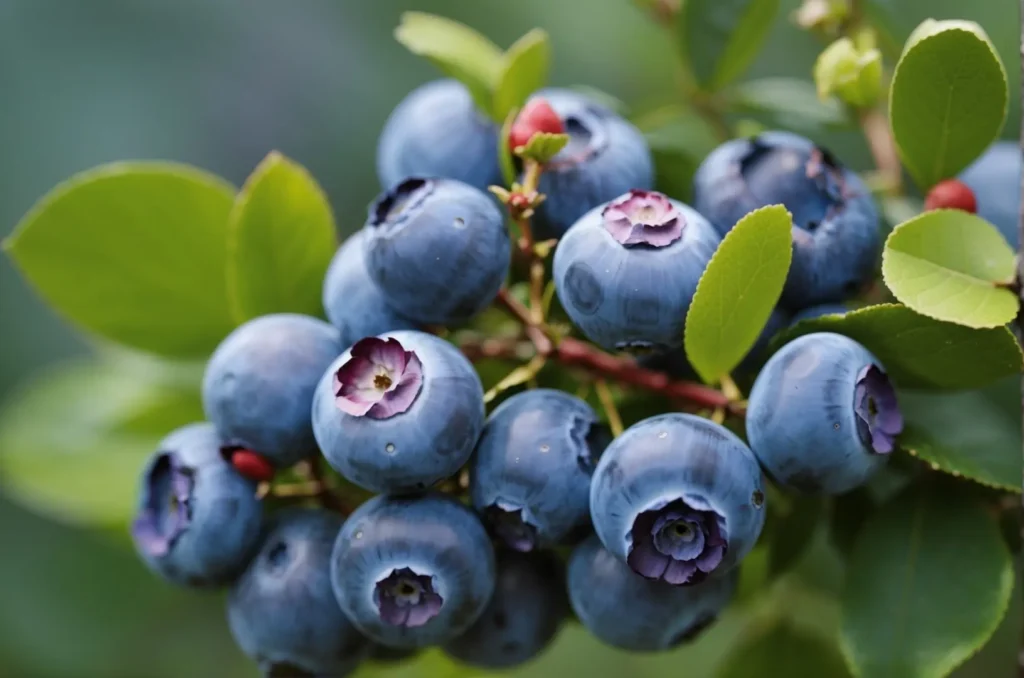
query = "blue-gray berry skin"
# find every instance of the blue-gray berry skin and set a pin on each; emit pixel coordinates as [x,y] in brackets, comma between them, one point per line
[353,302]
[530,474]
[414,449]
[438,131]
[995,180]
[803,422]
[523,616]
[258,385]
[197,521]
[625,297]
[623,609]
[437,248]
[413,571]
[818,311]
[282,611]
[836,238]
[605,157]
[674,458]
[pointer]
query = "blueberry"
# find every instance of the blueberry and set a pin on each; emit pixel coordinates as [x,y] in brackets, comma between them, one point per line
[282,611]
[530,475]
[398,412]
[437,248]
[523,616]
[413,571]
[626,271]
[822,416]
[353,302]
[605,157]
[678,498]
[836,239]
[197,521]
[438,131]
[259,384]
[818,311]
[995,180]
[637,614]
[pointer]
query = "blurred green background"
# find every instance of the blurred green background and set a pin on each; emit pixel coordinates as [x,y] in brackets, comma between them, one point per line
[219,83]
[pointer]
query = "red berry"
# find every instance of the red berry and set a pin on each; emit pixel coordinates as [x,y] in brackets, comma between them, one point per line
[953,194]
[536,116]
[252,465]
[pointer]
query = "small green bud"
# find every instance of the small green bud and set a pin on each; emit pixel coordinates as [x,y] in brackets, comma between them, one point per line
[824,16]
[852,75]
[542,147]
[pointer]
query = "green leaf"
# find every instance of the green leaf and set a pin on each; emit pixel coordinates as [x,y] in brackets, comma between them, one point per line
[280,241]
[72,442]
[788,101]
[783,650]
[679,139]
[919,352]
[949,265]
[457,50]
[505,158]
[524,70]
[134,252]
[793,532]
[543,146]
[728,310]
[975,434]
[722,37]
[948,99]
[928,582]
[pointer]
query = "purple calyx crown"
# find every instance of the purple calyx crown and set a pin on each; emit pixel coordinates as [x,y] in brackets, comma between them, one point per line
[407,599]
[379,380]
[677,543]
[643,218]
[879,419]
[166,512]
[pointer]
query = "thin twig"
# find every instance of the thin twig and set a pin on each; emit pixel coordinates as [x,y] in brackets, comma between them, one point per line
[880,140]
[604,394]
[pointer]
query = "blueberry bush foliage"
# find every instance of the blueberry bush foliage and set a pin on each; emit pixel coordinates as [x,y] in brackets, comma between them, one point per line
[734,389]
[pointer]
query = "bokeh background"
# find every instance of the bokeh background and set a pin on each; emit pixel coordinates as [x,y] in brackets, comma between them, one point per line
[219,83]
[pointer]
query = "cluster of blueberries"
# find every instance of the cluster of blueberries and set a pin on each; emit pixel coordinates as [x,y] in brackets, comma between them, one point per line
[656,519]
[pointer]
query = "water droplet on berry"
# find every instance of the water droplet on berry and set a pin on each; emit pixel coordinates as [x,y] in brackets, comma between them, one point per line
[545,448]
[459,222]
[359,534]
[390,448]
[663,435]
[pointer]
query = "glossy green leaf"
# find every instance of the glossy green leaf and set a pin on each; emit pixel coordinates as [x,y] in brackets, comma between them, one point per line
[948,99]
[721,38]
[920,352]
[928,582]
[456,49]
[974,434]
[789,102]
[950,265]
[134,252]
[72,442]
[728,310]
[281,239]
[783,650]
[543,146]
[524,70]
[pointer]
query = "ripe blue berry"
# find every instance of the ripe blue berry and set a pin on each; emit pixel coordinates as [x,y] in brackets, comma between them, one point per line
[523,616]
[437,248]
[282,611]
[626,271]
[678,498]
[605,157]
[836,239]
[823,416]
[353,302]
[197,521]
[437,131]
[637,614]
[530,474]
[398,413]
[995,180]
[258,386]
[818,311]
[413,571]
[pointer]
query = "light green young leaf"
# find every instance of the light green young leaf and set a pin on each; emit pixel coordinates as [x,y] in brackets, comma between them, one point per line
[721,38]
[783,650]
[134,252]
[543,146]
[281,239]
[949,265]
[728,310]
[457,50]
[927,584]
[919,352]
[948,99]
[524,70]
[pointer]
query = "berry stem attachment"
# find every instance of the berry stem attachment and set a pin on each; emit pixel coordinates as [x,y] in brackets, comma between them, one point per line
[519,375]
[604,394]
